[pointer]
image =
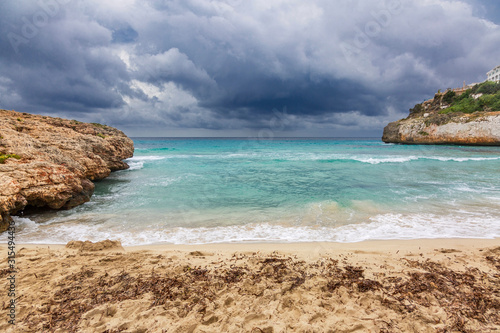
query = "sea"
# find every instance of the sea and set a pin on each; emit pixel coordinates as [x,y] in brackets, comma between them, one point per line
[251,190]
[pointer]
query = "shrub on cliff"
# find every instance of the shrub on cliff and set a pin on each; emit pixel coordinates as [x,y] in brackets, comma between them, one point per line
[489,101]
[466,94]
[466,105]
[449,96]
[417,109]
[488,88]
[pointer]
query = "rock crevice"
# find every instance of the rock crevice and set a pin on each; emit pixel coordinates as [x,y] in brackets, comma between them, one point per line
[51,162]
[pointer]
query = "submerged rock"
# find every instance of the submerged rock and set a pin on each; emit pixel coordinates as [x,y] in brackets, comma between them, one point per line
[51,162]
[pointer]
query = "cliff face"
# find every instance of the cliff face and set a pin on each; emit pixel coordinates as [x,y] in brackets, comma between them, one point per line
[479,128]
[51,162]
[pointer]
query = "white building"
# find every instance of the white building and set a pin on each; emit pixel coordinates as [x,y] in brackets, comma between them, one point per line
[494,74]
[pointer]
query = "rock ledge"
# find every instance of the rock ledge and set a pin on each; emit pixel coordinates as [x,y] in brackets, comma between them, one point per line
[51,162]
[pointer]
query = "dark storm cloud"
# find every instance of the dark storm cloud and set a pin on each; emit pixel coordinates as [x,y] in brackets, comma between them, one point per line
[310,98]
[125,35]
[230,64]
[174,66]
[61,64]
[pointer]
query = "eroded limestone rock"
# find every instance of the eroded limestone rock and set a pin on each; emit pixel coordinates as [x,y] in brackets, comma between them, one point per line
[52,161]
[479,128]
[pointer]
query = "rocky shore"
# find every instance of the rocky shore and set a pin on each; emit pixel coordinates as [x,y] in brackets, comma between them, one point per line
[50,162]
[478,129]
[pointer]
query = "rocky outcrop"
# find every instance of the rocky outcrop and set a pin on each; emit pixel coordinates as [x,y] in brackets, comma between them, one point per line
[462,116]
[479,128]
[51,162]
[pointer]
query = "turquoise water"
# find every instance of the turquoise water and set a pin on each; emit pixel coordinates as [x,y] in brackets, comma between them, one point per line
[285,190]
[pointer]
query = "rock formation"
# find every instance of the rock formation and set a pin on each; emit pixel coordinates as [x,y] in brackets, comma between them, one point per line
[51,162]
[480,129]
[436,122]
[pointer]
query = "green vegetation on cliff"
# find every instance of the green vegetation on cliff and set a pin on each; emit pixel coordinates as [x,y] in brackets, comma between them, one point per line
[482,97]
[4,157]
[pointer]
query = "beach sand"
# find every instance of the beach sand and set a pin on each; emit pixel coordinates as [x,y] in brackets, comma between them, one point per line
[450,285]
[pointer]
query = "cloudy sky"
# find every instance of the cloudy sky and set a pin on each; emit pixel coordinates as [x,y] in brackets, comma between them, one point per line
[241,67]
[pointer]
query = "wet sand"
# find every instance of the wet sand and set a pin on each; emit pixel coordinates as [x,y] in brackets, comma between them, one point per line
[450,285]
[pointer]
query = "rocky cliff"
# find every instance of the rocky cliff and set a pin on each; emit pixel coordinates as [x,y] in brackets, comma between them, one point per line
[471,117]
[51,162]
[481,128]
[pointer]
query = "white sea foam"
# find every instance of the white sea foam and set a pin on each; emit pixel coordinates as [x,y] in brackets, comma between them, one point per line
[135,165]
[137,162]
[380,227]
[24,222]
[467,188]
[463,159]
[385,226]
[144,158]
[392,159]
[405,159]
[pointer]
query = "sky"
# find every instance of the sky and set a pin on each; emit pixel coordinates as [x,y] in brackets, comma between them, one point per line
[218,68]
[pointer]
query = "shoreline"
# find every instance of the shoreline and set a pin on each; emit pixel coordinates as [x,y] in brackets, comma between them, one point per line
[424,285]
[381,245]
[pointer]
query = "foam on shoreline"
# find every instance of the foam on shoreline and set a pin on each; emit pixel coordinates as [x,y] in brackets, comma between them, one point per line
[380,227]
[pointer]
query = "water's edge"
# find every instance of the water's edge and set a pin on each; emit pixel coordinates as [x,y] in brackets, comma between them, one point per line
[196,191]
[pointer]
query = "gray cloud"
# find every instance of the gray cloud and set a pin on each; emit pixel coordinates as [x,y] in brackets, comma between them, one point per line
[222,67]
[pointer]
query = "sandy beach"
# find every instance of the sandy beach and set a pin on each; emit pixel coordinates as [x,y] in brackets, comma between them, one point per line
[450,285]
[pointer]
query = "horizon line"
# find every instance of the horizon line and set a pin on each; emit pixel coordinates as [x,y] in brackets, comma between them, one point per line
[255,137]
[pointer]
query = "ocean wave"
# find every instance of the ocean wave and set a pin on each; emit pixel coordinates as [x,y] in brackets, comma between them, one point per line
[388,226]
[135,165]
[145,158]
[405,159]
[395,159]
[23,222]
[463,159]
[319,157]
[381,227]
[137,162]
